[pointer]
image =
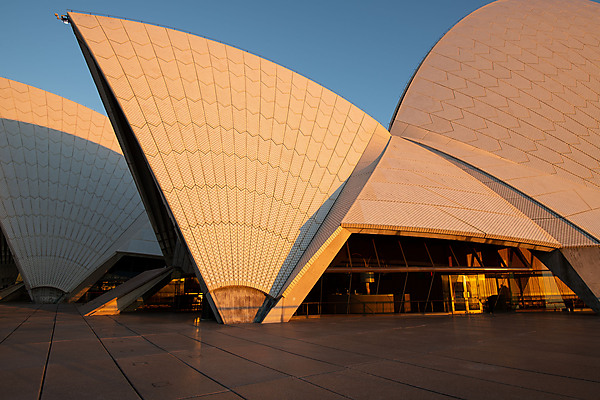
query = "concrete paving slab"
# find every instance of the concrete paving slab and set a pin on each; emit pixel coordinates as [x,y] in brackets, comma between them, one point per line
[282,361]
[355,384]
[168,356]
[130,346]
[577,367]
[450,384]
[223,341]
[164,377]
[174,342]
[72,328]
[379,350]
[106,327]
[286,388]
[220,396]
[32,331]
[22,367]
[11,317]
[83,366]
[21,383]
[159,322]
[23,355]
[343,358]
[532,380]
[326,354]
[230,370]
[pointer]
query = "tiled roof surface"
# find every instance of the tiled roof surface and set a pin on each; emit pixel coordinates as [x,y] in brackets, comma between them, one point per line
[415,190]
[67,198]
[250,156]
[515,87]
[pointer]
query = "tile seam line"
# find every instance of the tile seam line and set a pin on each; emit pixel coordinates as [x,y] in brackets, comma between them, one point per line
[262,365]
[432,51]
[297,267]
[41,389]
[286,183]
[336,365]
[201,243]
[463,165]
[214,140]
[179,359]
[418,66]
[515,132]
[18,326]
[505,80]
[297,271]
[110,355]
[274,257]
[416,365]
[298,252]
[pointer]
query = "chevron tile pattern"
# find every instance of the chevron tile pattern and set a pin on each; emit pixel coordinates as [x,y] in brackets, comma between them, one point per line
[514,89]
[67,198]
[415,190]
[250,156]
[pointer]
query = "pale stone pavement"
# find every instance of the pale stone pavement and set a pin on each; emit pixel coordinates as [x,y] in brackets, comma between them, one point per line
[52,352]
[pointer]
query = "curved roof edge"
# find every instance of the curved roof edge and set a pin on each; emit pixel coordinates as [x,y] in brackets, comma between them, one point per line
[451,235]
[232,95]
[517,84]
[207,38]
[77,205]
[416,70]
[29,104]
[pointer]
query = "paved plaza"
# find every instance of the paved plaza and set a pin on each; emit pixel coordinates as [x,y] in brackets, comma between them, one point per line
[52,352]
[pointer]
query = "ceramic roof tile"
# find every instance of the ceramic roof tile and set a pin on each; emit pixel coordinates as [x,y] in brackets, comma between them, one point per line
[56,217]
[457,202]
[533,87]
[284,119]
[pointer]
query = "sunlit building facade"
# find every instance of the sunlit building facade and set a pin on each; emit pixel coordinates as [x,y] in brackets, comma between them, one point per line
[482,195]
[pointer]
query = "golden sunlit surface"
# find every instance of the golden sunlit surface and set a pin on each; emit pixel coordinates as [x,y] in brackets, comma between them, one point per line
[268,177]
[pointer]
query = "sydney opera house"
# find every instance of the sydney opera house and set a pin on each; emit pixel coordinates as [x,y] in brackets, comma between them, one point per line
[222,175]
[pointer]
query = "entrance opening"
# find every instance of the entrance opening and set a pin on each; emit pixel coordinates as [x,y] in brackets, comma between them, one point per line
[8,268]
[182,293]
[463,291]
[376,274]
[126,268]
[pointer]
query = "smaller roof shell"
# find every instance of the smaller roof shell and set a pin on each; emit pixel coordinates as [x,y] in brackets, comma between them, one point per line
[67,199]
[415,191]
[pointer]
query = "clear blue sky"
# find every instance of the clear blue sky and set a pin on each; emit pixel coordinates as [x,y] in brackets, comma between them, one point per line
[365,51]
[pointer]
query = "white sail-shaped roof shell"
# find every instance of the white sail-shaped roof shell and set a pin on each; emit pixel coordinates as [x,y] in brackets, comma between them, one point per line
[513,90]
[249,155]
[67,199]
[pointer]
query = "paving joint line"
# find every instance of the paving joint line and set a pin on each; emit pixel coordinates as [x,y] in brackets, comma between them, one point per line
[48,354]
[18,326]
[520,369]
[472,377]
[400,362]
[266,366]
[335,365]
[112,358]
[177,358]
